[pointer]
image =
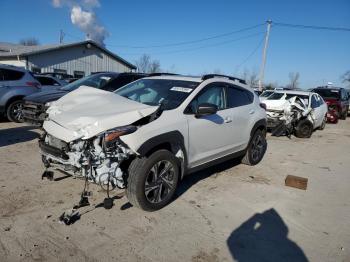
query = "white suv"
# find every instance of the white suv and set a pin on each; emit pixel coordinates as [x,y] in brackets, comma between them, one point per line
[152,132]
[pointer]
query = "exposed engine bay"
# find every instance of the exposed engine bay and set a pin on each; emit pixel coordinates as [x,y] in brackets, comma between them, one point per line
[96,159]
[284,120]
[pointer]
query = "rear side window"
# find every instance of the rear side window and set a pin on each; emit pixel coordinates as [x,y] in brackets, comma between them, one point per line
[10,75]
[314,102]
[238,97]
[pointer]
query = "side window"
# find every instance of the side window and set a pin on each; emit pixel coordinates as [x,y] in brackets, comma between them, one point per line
[212,94]
[320,100]
[238,97]
[79,74]
[314,102]
[11,75]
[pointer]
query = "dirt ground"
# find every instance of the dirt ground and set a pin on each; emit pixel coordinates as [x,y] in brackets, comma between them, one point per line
[228,212]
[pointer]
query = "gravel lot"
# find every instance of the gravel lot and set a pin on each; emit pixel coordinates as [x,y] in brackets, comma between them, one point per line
[229,212]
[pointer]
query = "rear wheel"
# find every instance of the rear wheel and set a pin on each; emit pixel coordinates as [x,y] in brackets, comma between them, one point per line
[14,111]
[256,149]
[304,129]
[152,180]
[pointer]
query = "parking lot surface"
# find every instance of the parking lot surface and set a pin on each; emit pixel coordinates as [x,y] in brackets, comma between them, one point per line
[228,212]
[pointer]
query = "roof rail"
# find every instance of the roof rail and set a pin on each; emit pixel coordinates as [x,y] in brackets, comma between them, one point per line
[162,74]
[208,76]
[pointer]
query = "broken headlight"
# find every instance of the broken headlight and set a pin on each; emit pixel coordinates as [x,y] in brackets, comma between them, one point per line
[111,136]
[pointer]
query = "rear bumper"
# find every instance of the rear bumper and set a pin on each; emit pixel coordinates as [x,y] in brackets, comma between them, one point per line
[33,113]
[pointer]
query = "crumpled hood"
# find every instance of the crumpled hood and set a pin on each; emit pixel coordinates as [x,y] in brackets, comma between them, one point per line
[88,111]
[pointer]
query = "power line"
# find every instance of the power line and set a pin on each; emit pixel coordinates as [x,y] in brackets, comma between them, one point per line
[200,47]
[312,27]
[189,42]
[250,55]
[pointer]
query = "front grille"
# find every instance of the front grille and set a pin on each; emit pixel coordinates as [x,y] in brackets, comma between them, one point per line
[34,113]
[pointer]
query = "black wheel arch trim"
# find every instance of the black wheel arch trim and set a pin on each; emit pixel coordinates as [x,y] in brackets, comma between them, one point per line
[257,125]
[174,138]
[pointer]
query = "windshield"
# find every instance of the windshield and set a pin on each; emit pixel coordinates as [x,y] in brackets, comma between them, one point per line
[97,81]
[328,93]
[169,93]
[266,93]
[275,96]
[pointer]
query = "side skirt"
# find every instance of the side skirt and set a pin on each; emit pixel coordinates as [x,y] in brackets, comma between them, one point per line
[215,162]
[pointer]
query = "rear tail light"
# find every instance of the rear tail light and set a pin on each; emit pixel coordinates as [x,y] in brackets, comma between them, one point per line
[262,105]
[33,84]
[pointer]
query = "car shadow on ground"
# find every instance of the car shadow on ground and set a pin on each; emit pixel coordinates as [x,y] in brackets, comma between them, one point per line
[192,179]
[264,237]
[17,135]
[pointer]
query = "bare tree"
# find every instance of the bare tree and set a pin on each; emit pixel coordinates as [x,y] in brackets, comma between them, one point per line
[294,80]
[250,77]
[154,67]
[146,65]
[253,79]
[29,41]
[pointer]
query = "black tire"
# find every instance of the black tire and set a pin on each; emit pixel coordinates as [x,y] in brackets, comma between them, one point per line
[14,111]
[256,149]
[141,172]
[323,125]
[304,129]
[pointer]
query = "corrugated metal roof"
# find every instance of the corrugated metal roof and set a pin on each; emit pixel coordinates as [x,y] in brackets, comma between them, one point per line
[8,50]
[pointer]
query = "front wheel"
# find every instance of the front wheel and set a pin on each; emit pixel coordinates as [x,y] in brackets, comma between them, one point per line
[256,149]
[152,180]
[14,111]
[304,129]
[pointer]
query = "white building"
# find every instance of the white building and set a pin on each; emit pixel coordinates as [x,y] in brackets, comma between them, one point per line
[77,59]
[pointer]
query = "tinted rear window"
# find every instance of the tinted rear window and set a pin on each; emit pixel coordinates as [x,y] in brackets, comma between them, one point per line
[10,75]
[328,93]
[238,97]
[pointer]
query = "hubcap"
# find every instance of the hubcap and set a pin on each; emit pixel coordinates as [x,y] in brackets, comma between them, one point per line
[257,148]
[159,181]
[17,111]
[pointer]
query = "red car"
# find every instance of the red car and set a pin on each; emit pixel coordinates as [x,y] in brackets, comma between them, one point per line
[337,100]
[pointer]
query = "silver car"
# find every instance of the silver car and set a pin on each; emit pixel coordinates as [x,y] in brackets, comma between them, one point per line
[15,83]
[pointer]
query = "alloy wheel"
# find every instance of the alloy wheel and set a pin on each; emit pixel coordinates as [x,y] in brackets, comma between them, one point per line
[160,181]
[257,148]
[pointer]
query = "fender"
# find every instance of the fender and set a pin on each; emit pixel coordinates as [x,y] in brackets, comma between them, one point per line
[174,138]
[260,123]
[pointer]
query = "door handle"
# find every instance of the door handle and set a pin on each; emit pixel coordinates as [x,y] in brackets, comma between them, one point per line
[252,111]
[228,120]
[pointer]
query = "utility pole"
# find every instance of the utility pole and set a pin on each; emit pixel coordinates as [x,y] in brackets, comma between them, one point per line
[263,62]
[61,36]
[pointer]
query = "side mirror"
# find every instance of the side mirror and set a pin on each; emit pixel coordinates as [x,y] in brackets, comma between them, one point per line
[206,109]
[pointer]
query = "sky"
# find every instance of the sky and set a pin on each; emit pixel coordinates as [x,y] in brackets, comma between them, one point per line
[319,56]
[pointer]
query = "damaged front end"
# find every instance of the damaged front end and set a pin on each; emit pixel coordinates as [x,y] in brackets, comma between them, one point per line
[97,159]
[289,118]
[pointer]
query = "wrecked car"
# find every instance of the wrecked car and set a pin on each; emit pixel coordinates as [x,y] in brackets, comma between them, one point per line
[150,133]
[295,112]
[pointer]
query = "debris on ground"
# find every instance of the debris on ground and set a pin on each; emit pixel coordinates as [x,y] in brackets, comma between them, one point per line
[296,181]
